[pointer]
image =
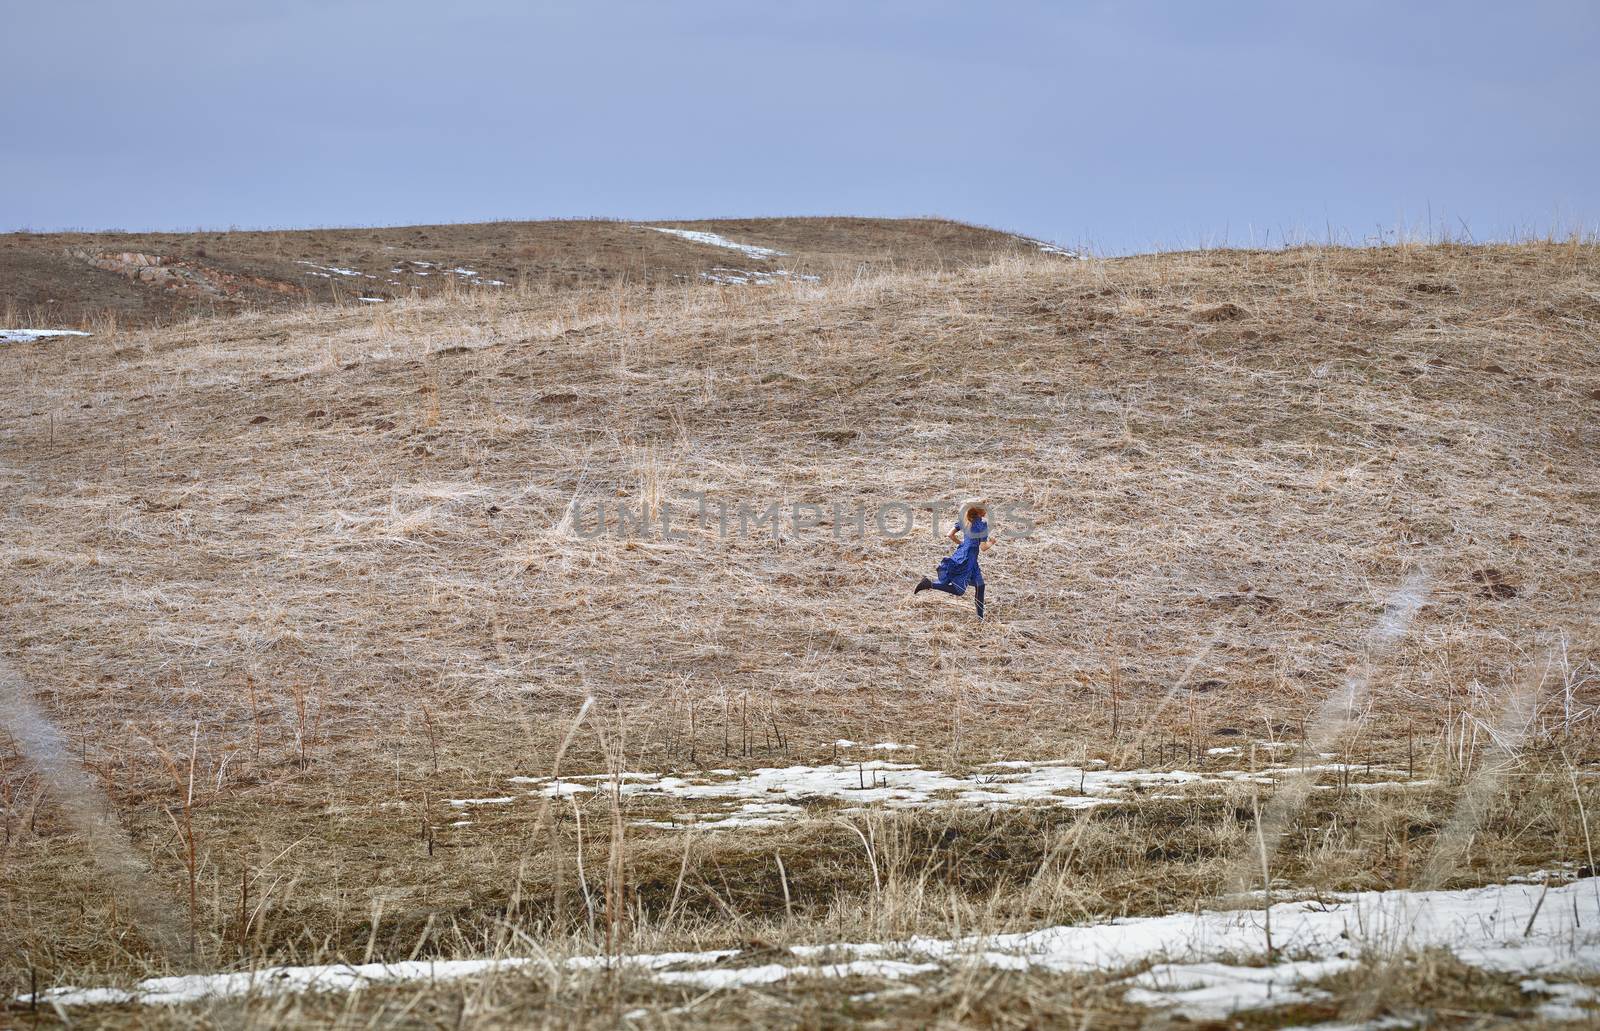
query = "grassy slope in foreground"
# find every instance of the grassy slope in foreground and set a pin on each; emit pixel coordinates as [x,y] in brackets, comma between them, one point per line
[334,540]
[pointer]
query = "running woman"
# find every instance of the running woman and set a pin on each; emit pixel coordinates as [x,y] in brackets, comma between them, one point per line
[961,570]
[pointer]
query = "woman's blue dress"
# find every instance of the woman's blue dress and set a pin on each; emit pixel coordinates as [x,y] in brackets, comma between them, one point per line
[960,570]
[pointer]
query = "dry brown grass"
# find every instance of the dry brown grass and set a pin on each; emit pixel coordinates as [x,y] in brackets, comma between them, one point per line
[42,283]
[336,540]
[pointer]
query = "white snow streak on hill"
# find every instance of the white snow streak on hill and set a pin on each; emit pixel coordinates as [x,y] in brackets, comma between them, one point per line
[749,250]
[27,336]
[1050,248]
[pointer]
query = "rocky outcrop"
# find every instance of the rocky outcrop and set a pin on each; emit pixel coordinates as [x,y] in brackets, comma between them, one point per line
[178,276]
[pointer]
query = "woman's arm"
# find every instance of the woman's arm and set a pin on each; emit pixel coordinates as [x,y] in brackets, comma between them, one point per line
[954,531]
[985,545]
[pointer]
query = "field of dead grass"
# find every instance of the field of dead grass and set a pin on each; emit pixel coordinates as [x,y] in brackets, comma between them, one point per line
[47,281]
[288,584]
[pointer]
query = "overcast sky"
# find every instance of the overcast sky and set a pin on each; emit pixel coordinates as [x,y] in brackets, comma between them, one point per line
[1124,126]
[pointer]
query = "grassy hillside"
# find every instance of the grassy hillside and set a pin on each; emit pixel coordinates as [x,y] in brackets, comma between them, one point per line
[100,279]
[324,570]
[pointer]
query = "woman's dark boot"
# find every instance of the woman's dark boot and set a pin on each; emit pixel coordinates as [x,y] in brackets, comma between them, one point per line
[922,585]
[980,600]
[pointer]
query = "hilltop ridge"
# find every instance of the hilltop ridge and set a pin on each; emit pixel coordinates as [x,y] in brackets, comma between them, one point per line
[80,279]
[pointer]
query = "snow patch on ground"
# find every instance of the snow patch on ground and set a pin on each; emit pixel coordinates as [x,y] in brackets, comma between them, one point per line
[336,977]
[749,250]
[28,336]
[1390,1023]
[1046,247]
[420,268]
[325,271]
[1213,991]
[1189,959]
[1558,872]
[744,977]
[764,797]
[740,277]
[1567,1002]
[769,796]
